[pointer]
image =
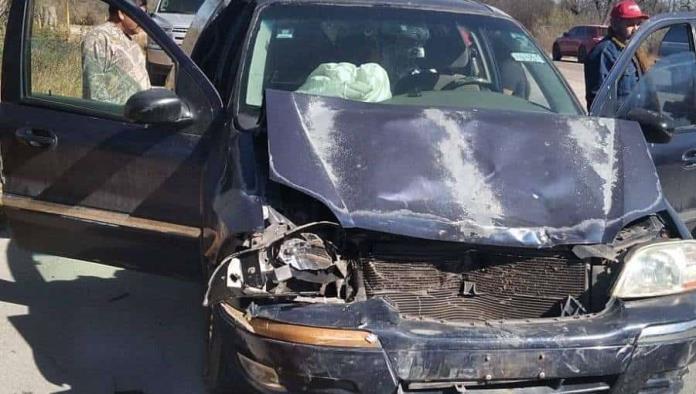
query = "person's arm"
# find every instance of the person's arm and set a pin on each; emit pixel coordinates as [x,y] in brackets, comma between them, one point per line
[96,56]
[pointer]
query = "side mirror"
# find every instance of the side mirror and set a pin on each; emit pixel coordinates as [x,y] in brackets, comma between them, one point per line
[566,34]
[155,106]
[657,128]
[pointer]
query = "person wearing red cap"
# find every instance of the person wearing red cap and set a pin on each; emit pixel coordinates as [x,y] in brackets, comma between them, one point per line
[626,17]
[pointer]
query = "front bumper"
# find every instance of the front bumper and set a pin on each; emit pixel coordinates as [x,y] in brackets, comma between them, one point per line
[632,347]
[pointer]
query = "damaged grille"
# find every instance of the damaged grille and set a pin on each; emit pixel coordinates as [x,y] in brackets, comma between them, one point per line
[477,286]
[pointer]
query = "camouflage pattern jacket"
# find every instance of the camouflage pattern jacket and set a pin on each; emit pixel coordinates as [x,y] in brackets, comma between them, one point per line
[113,65]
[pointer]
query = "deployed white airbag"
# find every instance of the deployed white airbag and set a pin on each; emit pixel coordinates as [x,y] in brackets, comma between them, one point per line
[367,83]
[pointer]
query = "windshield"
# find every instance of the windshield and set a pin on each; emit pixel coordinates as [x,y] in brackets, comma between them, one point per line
[406,57]
[179,6]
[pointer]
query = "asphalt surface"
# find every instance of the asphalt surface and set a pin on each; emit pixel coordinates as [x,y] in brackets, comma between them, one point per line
[69,326]
[574,74]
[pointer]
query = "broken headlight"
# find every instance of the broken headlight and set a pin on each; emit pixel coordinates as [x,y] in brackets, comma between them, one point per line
[286,262]
[658,269]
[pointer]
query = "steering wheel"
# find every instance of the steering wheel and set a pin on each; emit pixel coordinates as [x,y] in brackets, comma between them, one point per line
[464,80]
[416,82]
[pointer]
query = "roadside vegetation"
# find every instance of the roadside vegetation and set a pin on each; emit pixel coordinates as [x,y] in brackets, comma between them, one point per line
[53,64]
[55,43]
[549,19]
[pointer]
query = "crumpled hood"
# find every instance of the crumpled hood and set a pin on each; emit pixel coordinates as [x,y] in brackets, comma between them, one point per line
[488,177]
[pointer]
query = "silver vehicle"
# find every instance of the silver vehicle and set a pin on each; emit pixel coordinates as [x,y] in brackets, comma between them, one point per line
[208,11]
[174,17]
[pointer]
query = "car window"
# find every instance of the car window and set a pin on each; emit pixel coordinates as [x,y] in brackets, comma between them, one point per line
[679,33]
[401,57]
[602,31]
[179,6]
[676,39]
[94,66]
[669,83]
[664,43]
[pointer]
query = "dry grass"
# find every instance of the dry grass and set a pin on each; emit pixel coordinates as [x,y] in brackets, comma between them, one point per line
[55,65]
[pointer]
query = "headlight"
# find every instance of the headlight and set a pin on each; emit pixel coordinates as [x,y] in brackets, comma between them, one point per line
[658,269]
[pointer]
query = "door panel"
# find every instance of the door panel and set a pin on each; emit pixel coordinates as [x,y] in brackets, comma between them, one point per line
[570,41]
[81,180]
[667,87]
[103,164]
[676,165]
[563,44]
[102,242]
[574,44]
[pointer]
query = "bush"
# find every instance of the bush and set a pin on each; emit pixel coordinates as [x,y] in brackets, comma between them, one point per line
[543,18]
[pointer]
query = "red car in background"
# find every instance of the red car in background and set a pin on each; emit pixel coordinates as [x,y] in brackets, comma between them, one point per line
[578,41]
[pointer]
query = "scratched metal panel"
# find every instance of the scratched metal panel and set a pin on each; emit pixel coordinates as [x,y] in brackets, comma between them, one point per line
[491,177]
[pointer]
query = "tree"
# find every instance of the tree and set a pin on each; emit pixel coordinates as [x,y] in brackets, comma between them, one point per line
[599,10]
[683,5]
[529,12]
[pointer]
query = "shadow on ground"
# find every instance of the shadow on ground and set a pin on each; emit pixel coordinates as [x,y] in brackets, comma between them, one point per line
[96,329]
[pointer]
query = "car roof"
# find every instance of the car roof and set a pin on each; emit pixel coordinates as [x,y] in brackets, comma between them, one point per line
[462,6]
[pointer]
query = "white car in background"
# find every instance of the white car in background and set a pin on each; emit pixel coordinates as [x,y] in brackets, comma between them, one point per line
[174,17]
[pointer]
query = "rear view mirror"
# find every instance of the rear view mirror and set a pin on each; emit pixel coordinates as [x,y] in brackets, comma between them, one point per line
[566,34]
[154,106]
[657,128]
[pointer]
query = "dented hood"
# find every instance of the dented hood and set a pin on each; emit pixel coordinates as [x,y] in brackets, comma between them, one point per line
[489,177]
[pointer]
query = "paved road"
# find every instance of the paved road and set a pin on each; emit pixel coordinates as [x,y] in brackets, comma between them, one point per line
[73,327]
[574,74]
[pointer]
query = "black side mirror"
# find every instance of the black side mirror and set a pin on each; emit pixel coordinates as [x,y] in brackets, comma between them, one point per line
[657,127]
[155,106]
[566,34]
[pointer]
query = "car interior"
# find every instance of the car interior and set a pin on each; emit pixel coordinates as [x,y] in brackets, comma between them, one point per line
[418,59]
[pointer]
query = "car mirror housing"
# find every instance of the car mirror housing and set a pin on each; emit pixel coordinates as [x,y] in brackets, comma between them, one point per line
[657,128]
[566,34]
[154,106]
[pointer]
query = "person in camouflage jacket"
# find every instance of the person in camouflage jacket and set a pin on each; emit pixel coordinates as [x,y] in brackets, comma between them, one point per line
[113,64]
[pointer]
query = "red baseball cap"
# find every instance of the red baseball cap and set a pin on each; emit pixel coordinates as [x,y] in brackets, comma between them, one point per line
[627,9]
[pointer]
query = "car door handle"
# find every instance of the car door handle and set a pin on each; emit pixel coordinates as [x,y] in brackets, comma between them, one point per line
[37,138]
[689,159]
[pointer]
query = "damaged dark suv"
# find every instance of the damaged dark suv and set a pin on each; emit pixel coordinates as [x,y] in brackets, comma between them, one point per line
[384,197]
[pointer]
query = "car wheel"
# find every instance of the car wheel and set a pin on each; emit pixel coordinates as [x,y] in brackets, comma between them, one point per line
[556,52]
[222,373]
[582,54]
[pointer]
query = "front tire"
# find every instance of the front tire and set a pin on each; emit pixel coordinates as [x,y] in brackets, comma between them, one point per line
[556,52]
[222,373]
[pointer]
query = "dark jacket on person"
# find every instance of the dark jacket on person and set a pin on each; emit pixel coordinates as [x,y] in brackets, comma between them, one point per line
[599,63]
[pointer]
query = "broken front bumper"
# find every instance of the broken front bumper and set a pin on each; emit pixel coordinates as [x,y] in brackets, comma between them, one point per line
[632,347]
